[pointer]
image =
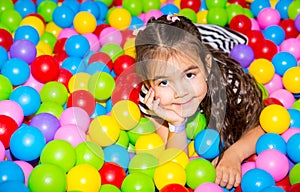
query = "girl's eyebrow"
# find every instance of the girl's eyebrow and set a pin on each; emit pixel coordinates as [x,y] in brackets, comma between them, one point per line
[191,68]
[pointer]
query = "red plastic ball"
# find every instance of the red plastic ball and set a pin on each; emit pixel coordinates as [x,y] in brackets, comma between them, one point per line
[7,127]
[294,188]
[122,63]
[101,57]
[242,3]
[267,49]
[117,2]
[288,25]
[45,68]
[255,37]
[240,23]
[270,101]
[126,34]
[64,77]
[60,57]
[83,99]
[284,183]
[60,45]
[6,39]
[112,173]
[174,187]
[191,4]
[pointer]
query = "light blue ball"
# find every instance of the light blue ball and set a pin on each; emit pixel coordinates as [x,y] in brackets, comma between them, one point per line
[117,154]
[293,148]
[74,65]
[13,186]
[274,33]
[270,141]
[257,5]
[4,56]
[294,115]
[63,16]
[77,46]
[169,9]
[25,7]
[282,7]
[91,7]
[282,61]
[97,67]
[11,171]
[16,70]
[256,179]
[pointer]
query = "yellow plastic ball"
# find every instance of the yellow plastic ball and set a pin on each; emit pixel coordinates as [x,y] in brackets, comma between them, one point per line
[126,113]
[104,130]
[150,143]
[291,80]
[174,155]
[84,178]
[274,119]
[169,173]
[35,22]
[129,47]
[119,18]
[201,17]
[177,3]
[84,22]
[191,149]
[51,27]
[79,81]
[43,48]
[262,70]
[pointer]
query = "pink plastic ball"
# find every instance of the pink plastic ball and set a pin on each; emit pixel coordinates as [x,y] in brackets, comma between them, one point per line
[71,134]
[274,162]
[110,35]
[13,110]
[247,166]
[254,24]
[267,17]
[93,41]
[284,96]
[66,33]
[289,133]
[208,186]
[75,116]
[32,82]
[291,45]
[274,84]
[152,13]
[26,168]
[2,151]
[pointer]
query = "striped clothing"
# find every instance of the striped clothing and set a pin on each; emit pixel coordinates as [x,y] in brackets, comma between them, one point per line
[220,38]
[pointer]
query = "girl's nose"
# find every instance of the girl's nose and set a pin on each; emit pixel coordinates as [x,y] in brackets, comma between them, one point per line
[181,89]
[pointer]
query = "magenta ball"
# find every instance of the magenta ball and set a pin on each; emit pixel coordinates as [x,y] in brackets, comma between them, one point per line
[75,116]
[47,123]
[2,151]
[247,166]
[93,41]
[267,17]
[32,82]
[153,13]
[66,33]
[23,49]
[274,84]
[71,134]
[284,96]
[291,45]
[274,162]
[289,133]
[110,35]
[208,186]
[242,54]
[26,168]
[13,110]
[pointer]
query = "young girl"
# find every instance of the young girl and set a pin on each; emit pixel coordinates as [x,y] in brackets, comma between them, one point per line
[183,75]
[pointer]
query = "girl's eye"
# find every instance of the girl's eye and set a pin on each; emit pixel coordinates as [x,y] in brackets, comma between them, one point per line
[190,75]
[163,83]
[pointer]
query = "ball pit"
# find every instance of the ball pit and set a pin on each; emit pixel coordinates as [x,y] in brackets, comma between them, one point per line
[69,105]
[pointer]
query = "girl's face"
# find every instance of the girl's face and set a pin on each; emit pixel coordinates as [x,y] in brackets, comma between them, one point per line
[180,84]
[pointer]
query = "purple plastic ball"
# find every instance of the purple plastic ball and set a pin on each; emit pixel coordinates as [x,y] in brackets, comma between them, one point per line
[242,54]
[23,49]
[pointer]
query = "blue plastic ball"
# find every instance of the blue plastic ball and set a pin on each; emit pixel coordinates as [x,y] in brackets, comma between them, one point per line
[4,56]
[13,186]
[258,5]
[293,148]
[77,46]
[108,105]
[273,189]
[282,61]
[16,70]
[270,141]
[256,179]
[99,110]
[294,115]
[74,65]
[97,67]
[27,32]
[136,23]
[28,98]
[169,9]
[27,143]
[274,33]
[11,171]
[73,4]
[63,16]
[282,7]
[103,9]
[206,143]
[117,154]
[91,7]
[25,7]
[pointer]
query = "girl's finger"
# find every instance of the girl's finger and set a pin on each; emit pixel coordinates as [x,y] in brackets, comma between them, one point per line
[149,98]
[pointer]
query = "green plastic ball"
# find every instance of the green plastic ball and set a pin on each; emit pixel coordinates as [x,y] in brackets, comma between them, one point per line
[133,6]
[217,16]
[149,5]
[49,38]
[195,124]
[6,5]
[248,13]
[123,139]
[210,4]
[233,10]
[101,85]
[113,50]
[106,2]
[143,163]
[296,105]
[189,13]
[265,93]
[144,126]
[54,91]
[11,19]
[89,153]
[5,87]
[294,9]
[137,182]
[47,177]
[294,174]
[46,9]
[51,107]
[109,188]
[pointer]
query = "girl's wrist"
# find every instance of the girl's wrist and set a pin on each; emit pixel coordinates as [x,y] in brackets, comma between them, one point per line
[178,127]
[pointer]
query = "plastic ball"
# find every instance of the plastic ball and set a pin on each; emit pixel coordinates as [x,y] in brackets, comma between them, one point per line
[270,101]
[270,141]
[275,84]
[11,19]
[63,16]
[174,155]
[104,130]
[45,68]
[243,54]
[262,70]
[26,168]
[274,119]
[283,61]
[122,63]
[27,33]
[23,49]
[288,25]
[109,187]
[192,4]
[51,107]
[10,171]
[82,99]
[144,126]
[256,179]
[209,186]
[291,45]
[71,134]
[257,6]
[35,21]
[2,150]
[6,39]
[217,3]
[134,7]
[240,23]
[113,50]
[60,153]
[293,148]
[112,173]
[247,166]
[93,41]
[78,81]
[284,96]
[16,70]
[101,85]
[119,18]
[150,5]
[77,46]
[110,35]
[274,162]
[289,133]
[266,49]
[46,9]
[294,174]
[255,37]
[55,92]
[294,113]
[91,7]
[291,79]
[8,126]
[13,186]
[5,87]
[267,17]
[297,22]
[13,110]
[47,177]
[169,173]
[117,154]
[84,22]
[274,33]
[101,57]
[137,182]
[150,143]
[293,9]
[143,163]
[199,171]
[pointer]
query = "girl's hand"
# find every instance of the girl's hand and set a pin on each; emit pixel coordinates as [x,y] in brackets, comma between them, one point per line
[166,114]
[228,171]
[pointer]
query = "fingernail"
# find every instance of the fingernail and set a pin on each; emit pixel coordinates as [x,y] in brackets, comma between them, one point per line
[151,90]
